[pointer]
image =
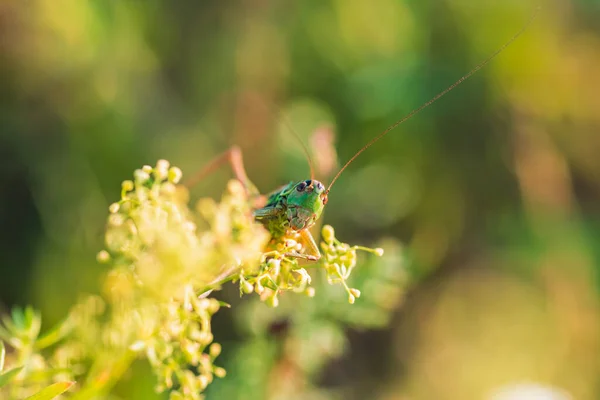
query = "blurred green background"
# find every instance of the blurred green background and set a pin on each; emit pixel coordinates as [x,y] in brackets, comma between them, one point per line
[494,191]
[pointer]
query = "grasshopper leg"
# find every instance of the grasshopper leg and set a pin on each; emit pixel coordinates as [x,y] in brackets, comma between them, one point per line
[234,157]
[301,256]
[266,212]
[312,250]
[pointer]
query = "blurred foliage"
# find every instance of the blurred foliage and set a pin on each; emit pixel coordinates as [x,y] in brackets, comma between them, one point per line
[21,332]
[495,189]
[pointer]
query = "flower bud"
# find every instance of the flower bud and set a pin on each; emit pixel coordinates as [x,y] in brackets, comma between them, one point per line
[205,337]
[114,208]
[163,165]
[141,176]
[214,350]
[116,219]
[191,351]
[328,233]
[259,288]
[246,287]
[220,372]
[175,175]
[351,298]
[203,381]
[351,257]
[213,306]
[127,185]
[103,257]
[203,304]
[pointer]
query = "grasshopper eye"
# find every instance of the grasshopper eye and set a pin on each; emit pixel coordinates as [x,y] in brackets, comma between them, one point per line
[301,186]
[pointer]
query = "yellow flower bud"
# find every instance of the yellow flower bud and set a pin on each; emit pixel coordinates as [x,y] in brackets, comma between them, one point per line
[127,185]
[141,176]
[103,257]
[220,372]
[114,208]
[175,175]
[214,350]
[328,233]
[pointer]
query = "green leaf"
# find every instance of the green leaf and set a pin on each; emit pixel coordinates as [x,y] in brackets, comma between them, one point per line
[54,335]
[18,318]
[51,391]
[9,375]
[28,316]
[32,322]
[2,355]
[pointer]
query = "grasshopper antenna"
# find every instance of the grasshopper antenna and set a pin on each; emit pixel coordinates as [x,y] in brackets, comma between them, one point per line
[283,119]
[436,97]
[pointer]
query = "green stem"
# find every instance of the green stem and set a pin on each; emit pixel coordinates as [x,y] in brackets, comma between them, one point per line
[218,283]
[365,249]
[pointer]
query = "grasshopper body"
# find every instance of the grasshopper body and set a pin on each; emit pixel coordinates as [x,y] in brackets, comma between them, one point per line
[296,206]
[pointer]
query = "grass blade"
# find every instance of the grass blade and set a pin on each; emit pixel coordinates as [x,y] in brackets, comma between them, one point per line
[8,375]
[51,391]
[54,335]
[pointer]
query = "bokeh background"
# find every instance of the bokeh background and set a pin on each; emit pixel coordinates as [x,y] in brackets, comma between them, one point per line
[488,202]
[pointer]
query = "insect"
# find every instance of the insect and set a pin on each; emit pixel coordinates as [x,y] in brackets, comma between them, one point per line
[298,205]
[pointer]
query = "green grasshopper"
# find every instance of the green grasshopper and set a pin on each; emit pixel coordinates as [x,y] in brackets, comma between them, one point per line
[296,207]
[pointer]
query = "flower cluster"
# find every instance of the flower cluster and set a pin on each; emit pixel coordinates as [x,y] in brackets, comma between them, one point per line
[277,273]
[28,372]
[161,249]
[281,270]
[177,354]
[340,260]
[165,260]
[153,234]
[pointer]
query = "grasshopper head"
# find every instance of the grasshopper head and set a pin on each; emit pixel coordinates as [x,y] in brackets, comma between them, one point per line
[305,203]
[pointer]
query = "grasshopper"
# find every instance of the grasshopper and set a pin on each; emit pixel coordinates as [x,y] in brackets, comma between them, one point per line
[298,205]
